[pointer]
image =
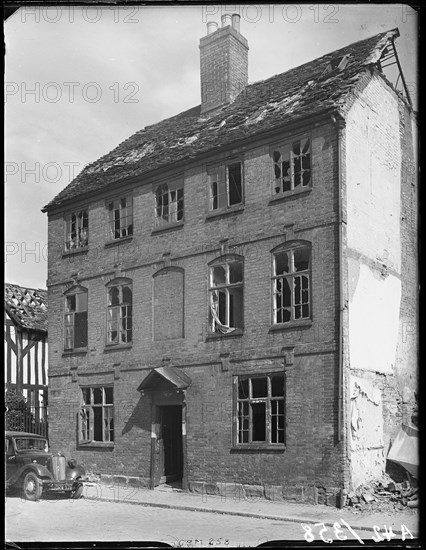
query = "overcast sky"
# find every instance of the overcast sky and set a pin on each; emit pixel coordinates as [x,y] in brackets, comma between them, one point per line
[81,80]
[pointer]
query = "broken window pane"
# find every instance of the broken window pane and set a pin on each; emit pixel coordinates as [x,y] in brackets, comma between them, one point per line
[291,293]
[235,272]
[226,303]
[258,421]
[75,322]
[77,230]
[236,307]
[86,395]
[243,388]
[97,396]
[168,204]
[292,167]
[259,387]
[120,214]
[219,275]
[70,301]
[226,185]
[234,183]
[277,386]
[301,258]
[261,414]
[281,263]
[108,395]
[113,294]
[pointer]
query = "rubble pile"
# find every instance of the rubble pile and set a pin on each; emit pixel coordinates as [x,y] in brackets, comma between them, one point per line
[382,495]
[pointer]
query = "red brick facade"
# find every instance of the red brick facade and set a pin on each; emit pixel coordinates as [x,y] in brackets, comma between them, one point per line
[169,273]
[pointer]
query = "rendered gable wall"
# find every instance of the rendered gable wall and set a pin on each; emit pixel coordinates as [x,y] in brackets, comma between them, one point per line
[376,285]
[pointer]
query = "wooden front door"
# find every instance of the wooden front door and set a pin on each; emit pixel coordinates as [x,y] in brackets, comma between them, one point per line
[168,459]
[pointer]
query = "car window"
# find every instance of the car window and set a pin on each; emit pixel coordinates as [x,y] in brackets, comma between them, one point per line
[8,445]
[27,443]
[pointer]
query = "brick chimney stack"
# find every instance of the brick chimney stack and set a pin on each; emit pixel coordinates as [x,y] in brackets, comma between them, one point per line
[224,63]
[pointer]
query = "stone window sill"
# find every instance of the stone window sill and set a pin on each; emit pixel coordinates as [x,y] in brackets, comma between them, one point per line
[168,227]
[76,252]
[74,352]
[218,336]
[294,193]
[225,212]
[117,347]
[278,448]
[116,242]
[290,325]
[96,444]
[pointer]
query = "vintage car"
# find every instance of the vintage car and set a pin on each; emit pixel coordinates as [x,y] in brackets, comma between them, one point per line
[32,468]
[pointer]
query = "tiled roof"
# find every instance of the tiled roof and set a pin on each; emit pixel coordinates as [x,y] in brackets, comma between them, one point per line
[26,306]
[308,90]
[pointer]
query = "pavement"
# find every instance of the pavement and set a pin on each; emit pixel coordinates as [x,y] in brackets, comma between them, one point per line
[168,497]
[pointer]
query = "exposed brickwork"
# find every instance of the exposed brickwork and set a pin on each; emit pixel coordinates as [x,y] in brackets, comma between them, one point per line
[311,455]
[314,465]
[224,67]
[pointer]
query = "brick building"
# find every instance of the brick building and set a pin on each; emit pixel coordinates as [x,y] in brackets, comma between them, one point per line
[232,290]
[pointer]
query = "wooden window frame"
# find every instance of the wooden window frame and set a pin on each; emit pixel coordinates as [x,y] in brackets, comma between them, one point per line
[119,285]
[213,290]
[125,230]
[80,241]
[86,433]
[269,412]
[218,175]
[288,280]
[71,323]
[286,151]
[163,213]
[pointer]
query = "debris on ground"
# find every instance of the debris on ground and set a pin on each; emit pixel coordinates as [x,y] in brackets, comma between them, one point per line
[384,494]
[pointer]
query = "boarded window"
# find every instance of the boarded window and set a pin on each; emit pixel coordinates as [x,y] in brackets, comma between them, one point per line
[169,304]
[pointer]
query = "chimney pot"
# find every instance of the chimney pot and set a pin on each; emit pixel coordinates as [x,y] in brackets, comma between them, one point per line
[226,19]
[211,27]
[236,21]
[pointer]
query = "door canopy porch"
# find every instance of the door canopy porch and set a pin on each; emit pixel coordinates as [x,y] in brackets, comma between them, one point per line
[165,377]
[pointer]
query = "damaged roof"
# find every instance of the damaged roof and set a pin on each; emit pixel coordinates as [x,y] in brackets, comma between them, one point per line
[308,90]
[27,307]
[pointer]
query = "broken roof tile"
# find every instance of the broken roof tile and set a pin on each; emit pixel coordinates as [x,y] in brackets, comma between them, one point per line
[27,307]
[308,90]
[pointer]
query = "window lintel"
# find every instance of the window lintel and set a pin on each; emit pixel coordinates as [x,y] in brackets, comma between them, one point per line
[119,281]
[291,245]
[226,258]
[75,289]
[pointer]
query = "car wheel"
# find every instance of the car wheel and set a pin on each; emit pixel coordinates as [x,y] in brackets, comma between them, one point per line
[32,487]
[77,491]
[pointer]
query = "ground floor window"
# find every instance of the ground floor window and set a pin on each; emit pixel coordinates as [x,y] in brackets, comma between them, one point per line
[96,417]
[260,409]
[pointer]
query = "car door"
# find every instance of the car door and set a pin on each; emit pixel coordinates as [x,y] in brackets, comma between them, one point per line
[10,458]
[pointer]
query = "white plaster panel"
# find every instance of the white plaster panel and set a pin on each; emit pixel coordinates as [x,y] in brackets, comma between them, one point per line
[373,174]
[366,430]
[366,465]
[374,320]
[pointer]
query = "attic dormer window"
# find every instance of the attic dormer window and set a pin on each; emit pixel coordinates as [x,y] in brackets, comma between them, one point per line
[292,166]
